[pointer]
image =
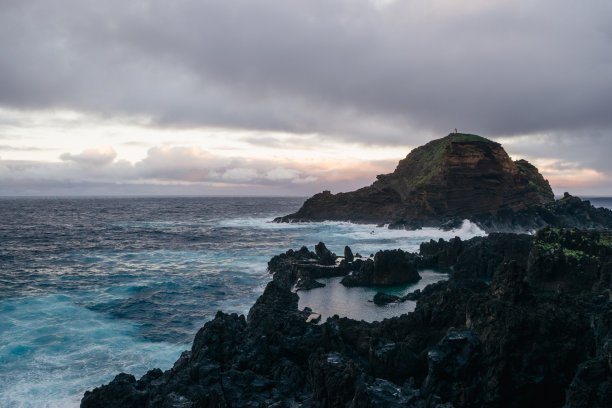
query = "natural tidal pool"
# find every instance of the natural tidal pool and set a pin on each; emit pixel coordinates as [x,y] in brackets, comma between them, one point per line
[356,302]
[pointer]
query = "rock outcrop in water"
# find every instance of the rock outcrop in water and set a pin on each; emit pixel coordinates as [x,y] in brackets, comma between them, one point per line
[388,268]
[460,176]
[453,178]
[516,342]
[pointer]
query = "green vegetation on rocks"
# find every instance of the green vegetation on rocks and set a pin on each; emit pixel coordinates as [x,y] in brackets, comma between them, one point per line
[438,184]
[426,162]
[574,240]
[535,180]
[570,260]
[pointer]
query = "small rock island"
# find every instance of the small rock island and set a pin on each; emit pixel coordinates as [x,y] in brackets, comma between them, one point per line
[460,176]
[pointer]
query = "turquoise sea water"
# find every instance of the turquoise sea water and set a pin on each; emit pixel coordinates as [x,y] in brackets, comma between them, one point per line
[90,287]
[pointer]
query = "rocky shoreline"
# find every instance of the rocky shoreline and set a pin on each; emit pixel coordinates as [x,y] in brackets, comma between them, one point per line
[523,321]
[566,212]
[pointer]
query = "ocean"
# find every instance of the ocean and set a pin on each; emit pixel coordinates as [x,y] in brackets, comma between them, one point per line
[90,287]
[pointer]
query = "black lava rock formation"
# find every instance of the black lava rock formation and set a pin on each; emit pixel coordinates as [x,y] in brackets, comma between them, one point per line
[388,268]
[538,335]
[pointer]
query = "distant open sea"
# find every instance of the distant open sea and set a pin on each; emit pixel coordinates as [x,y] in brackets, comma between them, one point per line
[90,287]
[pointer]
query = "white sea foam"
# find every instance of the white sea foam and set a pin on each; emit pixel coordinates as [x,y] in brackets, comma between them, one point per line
[361,237]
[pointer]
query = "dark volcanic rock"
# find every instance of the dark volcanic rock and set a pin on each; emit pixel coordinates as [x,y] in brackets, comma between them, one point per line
[124,394]
[324,255]
[381,298]
[453,367]
[441,253]
[531,346]
[393,267]
[467,344]
[304,265]
[308,284]
[284,267]
[384,394]
[592,386]
[567,212]
[348,254]
[218,338]
[276,311]
[459,176]
[570,260]
[394,361]
[554,259]
[479,257]
[334,379]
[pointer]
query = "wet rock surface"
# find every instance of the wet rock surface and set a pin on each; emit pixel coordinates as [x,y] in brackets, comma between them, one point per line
[509,343]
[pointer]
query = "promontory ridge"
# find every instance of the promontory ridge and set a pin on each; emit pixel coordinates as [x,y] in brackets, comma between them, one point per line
[460,176]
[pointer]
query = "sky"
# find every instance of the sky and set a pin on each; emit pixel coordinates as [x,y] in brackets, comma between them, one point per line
[292,97]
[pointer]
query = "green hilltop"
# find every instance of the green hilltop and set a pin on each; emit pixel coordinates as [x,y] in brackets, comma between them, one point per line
[425,162]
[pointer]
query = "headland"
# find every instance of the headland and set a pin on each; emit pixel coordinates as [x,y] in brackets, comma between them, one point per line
[460,176]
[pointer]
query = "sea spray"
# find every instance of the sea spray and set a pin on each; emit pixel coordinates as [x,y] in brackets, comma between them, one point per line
[52,349]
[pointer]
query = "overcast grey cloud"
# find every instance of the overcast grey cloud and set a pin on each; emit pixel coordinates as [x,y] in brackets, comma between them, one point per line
[502,68]
[353,70]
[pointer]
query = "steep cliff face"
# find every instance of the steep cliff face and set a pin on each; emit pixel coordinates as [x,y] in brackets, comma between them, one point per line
[458,176]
